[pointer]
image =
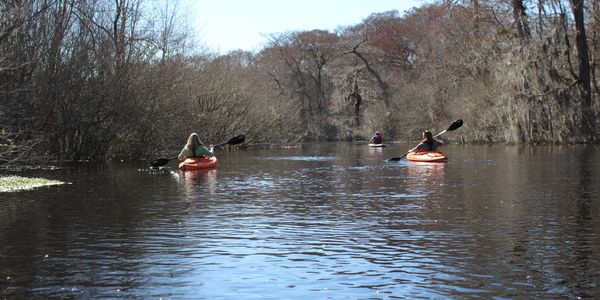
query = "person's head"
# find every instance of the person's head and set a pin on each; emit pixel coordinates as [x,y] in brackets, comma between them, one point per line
[193,141]
[427,135]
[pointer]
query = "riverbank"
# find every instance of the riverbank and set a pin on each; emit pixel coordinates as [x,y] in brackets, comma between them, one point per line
[18,183]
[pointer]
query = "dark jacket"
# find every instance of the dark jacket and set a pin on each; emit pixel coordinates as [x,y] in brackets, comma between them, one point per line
[429,145]
[376,139]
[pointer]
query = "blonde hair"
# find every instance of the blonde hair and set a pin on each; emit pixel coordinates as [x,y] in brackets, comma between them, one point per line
[193,142]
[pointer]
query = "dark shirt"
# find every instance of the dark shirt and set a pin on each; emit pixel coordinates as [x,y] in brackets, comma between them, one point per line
[376,139]
[426,146]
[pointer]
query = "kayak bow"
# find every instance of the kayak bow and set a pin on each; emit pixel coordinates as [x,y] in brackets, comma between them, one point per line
[427,156]
[198,163]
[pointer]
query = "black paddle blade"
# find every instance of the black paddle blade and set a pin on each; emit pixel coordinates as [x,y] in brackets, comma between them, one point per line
[236,140]
[161,162]
[398,158]
[455,125]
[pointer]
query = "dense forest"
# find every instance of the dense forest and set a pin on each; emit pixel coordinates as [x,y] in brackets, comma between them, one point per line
[89,79]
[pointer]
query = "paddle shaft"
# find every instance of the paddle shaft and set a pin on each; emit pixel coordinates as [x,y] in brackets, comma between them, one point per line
[220,145]
[440,133]
[161,161]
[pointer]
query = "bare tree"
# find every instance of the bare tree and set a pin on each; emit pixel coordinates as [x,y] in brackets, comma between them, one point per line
[520,15]
[305,56]
[581,45]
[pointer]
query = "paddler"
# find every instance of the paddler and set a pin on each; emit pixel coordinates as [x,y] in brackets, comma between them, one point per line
[376,138]
[429,143]
[195,148]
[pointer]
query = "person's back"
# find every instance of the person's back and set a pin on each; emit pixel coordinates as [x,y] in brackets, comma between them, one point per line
[195,148]
[376,138]
[429,143]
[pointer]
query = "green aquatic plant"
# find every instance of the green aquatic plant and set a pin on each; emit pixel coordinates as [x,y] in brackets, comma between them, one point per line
[17,183]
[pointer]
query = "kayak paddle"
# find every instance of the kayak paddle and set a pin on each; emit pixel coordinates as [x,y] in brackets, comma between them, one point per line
[161,161]
[455,125]
[233,141]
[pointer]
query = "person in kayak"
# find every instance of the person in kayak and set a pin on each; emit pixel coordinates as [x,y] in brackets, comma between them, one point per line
[376,138]
[429,143]
[195,148]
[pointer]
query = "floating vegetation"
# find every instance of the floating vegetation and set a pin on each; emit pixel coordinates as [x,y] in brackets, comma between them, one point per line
[18,183]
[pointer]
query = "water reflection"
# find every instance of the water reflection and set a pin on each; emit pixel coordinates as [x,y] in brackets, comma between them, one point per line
[301,158]
[431,171]
[197,181]
[426,178]
[376,151]
[323,221]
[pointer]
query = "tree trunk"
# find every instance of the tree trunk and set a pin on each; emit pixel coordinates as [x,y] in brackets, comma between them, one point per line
[581,45]
[475,11]
[583,59]
[357,104]
[521,19]
[595,51]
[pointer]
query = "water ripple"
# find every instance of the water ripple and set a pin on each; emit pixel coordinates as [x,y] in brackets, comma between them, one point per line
[328,224]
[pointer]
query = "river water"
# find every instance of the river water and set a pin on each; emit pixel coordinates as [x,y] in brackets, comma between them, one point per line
[325,221]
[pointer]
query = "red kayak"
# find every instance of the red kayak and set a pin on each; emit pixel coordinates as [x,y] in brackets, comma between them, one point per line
[427,156]
[198,163]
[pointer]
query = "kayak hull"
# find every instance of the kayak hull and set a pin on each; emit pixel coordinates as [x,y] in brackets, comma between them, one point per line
[198,163]
[376,145]
[427,156]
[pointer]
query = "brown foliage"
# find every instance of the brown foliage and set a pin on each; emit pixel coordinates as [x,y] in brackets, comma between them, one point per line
[90,79]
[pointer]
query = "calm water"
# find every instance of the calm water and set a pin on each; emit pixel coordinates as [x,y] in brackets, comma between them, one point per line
[326,221]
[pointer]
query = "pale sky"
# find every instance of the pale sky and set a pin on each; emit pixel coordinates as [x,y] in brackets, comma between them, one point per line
[225,25]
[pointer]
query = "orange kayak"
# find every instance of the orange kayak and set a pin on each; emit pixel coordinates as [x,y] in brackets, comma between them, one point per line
[427,156]
[198,163]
